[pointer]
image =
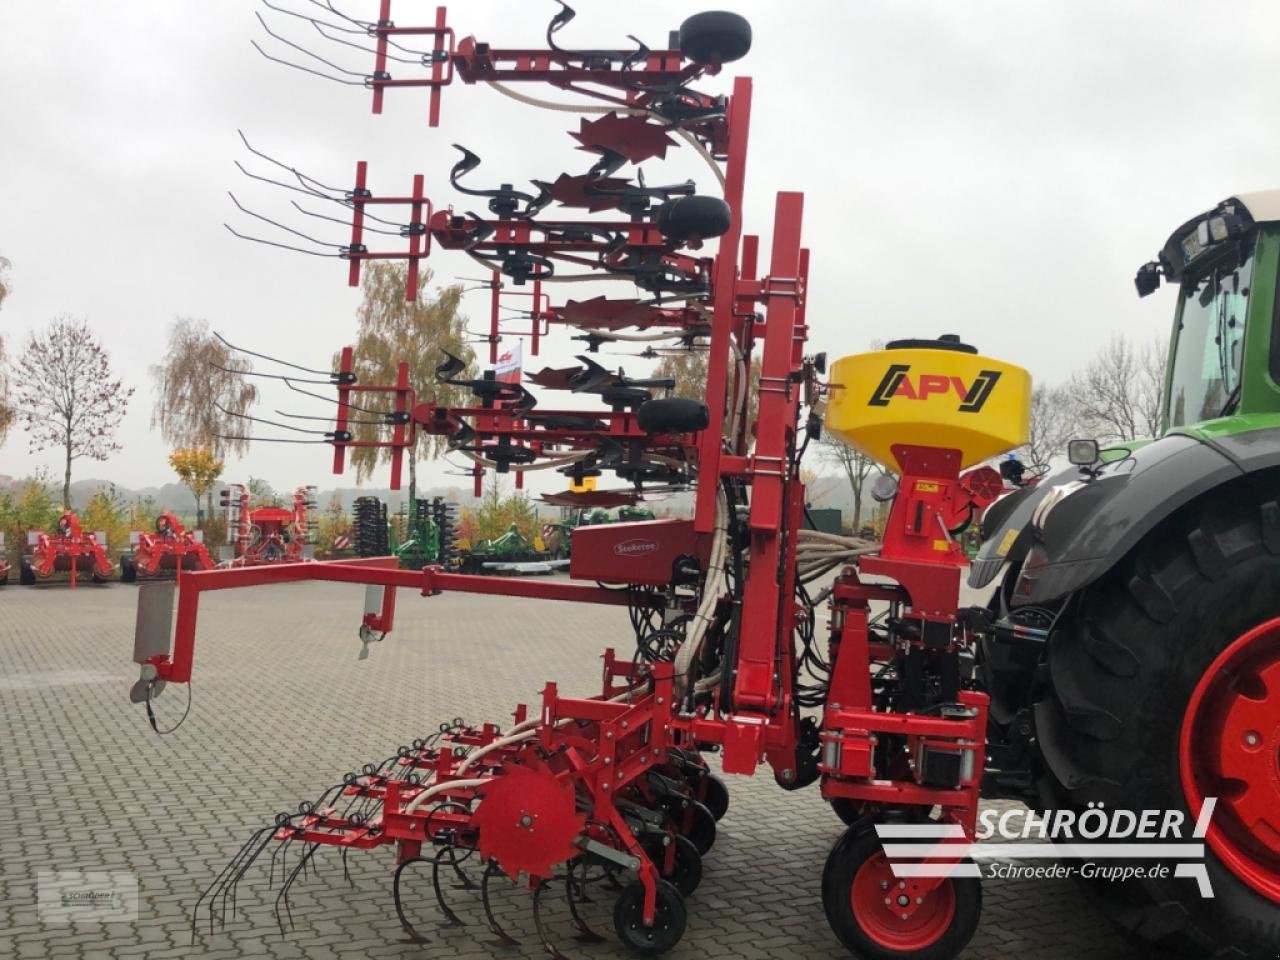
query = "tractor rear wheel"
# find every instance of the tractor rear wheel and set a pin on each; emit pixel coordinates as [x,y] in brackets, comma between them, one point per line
[879,916]
[1165,690]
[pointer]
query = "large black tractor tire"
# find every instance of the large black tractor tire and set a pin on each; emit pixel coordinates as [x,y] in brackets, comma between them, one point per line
[26,576]
[1122,672]
[716,36]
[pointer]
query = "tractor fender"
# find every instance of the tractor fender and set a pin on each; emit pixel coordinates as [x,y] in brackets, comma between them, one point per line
[1072,529]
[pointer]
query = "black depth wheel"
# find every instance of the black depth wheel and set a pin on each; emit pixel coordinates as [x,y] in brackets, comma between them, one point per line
[668,921]
[847,810]
[715,37]
[698,824]
[914,923]
[686,872]
[714,795]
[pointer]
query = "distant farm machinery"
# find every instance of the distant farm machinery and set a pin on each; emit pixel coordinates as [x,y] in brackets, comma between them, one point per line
[68,549]
[268,534]
[165,551]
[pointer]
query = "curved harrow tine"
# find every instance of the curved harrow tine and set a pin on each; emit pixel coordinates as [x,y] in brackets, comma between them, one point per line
[413,935]
[451,919]
[504,938]
[575,893]
[543,934]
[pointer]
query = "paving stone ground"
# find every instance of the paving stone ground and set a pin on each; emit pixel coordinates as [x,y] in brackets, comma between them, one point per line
[281,709]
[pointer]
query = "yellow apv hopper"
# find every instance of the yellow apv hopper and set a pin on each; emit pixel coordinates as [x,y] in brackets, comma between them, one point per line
[929,393]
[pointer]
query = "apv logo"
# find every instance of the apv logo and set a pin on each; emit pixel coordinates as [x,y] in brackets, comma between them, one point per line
[634,548]
[898,383]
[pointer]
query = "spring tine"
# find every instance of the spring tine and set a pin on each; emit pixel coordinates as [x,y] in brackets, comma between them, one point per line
[212,890]
[346,872]
[414,935]
[504,938]
[573,887]
[450,918]
[266,834]
[283,896]
[543,933]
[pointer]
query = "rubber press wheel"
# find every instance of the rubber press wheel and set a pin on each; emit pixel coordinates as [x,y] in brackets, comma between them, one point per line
[689,219]
[715,37]
[668,922]
[1165,690]
[878,916]
[686,872]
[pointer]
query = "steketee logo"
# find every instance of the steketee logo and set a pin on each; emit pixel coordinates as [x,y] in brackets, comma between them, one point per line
[634,548]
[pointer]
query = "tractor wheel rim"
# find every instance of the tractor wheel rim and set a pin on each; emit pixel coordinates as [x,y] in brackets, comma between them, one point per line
[876,897]
[1230,749]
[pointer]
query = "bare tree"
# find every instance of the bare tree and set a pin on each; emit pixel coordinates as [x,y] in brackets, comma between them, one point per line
[67,396]
[1054,421]
[419,333]
[857,468]
[1118,392]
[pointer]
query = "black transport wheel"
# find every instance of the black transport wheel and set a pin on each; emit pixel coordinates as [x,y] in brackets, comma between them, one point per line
[878,916]
[715,37]
[1147,684]
[695,218]
[668,922]
[673,415]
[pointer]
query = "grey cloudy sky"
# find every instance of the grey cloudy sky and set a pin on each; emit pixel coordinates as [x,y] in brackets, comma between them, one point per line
[994,169]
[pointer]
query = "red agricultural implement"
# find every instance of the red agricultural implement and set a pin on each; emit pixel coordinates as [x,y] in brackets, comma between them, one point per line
[266,534]
[607,796]
[167,551]
[4,562]
[67,550]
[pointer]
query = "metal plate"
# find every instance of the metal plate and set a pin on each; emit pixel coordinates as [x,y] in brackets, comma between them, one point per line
[154,627]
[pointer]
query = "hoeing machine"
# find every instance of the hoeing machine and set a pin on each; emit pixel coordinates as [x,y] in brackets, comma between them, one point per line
[165,551]
[68,549]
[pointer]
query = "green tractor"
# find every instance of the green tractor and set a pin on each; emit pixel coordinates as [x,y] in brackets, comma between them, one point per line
[1133,654]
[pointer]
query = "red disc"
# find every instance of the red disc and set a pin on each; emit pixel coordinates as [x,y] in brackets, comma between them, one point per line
[897,912]
[527,821]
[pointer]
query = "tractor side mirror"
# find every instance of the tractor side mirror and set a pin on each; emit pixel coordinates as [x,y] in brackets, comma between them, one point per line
[1148,279]
[1082,453]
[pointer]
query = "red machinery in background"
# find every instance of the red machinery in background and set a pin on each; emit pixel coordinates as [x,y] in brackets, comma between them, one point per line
[268,534]
[610,793]
[4,562]
[164,552]
[67,550]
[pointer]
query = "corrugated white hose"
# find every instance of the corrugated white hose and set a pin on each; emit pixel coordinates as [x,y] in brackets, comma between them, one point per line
[439,788]
[683,134]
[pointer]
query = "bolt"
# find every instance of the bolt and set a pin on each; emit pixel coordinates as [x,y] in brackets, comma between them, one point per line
[919,900]
[903,900]
[1252,739]
[904,916]
[887,902]
[661,701]
[608,760]
[902,884]
[526,821]
[884,884]
[608,734]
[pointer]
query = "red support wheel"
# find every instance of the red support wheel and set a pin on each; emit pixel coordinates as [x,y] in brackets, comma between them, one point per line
[1230,749]
[879,916]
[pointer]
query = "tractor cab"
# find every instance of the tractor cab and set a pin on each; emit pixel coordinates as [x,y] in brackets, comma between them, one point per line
[1225,350]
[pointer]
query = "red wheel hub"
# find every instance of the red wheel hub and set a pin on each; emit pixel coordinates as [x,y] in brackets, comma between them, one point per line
[1230,749]
[900,913]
